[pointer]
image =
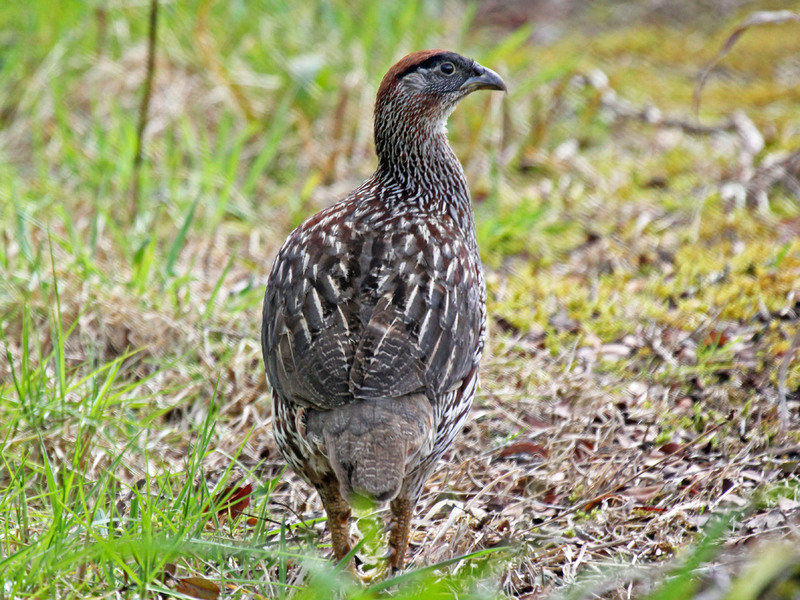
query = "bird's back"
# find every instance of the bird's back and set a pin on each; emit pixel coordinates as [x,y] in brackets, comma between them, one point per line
[372,307]
[365,302]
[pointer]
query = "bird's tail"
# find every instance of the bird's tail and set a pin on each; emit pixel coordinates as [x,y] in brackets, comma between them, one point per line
[370,443]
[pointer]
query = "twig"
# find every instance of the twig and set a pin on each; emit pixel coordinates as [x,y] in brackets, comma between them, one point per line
[761,17]
[752,141]
[101,16]
[144,106]
[651,115]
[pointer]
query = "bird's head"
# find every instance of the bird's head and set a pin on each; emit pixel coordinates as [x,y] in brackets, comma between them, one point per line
[427,85]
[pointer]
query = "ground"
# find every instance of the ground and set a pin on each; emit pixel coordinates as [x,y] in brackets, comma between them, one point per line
[636,431]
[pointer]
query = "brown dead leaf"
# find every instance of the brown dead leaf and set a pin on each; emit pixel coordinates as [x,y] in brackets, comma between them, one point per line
[168,572]
[530,448]
[670,447]
[197,587]
[644,493]
[550,497]
[715,339]
[595,502]
[232,501]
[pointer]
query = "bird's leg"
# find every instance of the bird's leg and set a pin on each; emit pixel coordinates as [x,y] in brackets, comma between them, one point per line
[398,537]
[338,511]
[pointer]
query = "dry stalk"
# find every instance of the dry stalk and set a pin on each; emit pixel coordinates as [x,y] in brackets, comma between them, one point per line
[144,107]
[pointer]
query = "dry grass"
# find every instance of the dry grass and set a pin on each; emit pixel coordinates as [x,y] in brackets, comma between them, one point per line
[643,311]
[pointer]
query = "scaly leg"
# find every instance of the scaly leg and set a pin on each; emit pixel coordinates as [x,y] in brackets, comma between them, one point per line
[401,508]
[338,511]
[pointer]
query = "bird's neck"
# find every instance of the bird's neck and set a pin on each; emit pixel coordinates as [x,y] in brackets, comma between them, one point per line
[414,155]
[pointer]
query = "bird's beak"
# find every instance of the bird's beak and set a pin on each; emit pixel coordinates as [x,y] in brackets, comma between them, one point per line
[484,79]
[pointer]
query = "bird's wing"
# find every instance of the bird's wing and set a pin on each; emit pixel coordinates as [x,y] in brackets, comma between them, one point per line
[307,336]
[424,332]
[373,315]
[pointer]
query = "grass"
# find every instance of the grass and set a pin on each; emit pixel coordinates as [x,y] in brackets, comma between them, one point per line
[634,306]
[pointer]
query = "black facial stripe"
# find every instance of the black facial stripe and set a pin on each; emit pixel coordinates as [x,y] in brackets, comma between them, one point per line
[437,59]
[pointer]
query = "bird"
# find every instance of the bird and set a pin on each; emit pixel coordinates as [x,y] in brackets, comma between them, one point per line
[374,313]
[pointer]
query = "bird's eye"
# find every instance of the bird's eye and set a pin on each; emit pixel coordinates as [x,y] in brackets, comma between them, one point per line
[447,68]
